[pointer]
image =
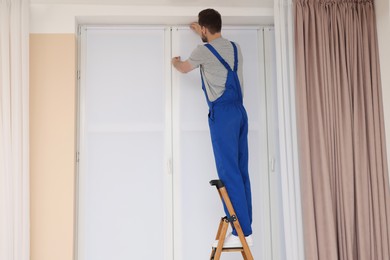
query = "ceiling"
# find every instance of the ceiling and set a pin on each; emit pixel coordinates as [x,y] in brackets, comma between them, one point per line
[221,3]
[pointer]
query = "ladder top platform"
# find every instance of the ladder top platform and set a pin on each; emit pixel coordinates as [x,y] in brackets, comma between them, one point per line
[217,183]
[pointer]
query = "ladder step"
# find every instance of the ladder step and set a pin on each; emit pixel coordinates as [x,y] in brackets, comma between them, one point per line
[231,249]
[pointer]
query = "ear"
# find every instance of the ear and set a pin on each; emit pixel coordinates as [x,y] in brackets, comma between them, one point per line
[206,31]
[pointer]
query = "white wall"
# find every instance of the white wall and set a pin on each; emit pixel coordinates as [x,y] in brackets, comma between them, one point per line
[60,18]
[52,112]
[235,3]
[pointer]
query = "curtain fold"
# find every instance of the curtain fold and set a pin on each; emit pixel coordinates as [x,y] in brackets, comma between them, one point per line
[342,146]
[14,130]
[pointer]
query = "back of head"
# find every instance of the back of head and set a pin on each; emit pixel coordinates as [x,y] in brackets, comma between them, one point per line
[210,19]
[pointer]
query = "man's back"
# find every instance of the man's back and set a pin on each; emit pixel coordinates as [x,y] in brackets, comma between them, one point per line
[214,73]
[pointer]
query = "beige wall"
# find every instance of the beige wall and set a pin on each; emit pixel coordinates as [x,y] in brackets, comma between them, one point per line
[52,145]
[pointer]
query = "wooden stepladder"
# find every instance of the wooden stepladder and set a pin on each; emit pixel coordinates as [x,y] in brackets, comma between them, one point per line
[223,227]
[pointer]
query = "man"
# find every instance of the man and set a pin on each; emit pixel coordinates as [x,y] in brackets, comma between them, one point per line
[220,64]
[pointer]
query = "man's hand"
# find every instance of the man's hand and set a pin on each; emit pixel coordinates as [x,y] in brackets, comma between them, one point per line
[175,61]
[182,66]
[196,28]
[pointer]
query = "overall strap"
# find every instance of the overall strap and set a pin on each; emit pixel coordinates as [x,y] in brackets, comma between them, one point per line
[235,57]
[216,54]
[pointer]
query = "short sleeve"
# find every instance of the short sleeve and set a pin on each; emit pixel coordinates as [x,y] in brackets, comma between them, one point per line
[198,56]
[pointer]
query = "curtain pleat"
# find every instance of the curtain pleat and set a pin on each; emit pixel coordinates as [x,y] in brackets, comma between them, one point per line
[342,146]
[14,130]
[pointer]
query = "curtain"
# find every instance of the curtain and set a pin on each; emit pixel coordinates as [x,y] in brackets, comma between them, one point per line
[343,162]
[14,130]
[289,168]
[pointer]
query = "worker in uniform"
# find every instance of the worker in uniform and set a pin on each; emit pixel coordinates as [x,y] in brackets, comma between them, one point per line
[220,62]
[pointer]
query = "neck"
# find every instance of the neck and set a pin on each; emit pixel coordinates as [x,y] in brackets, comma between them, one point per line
[214,36]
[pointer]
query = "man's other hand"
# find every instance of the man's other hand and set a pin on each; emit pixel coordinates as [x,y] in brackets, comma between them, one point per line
[196,28]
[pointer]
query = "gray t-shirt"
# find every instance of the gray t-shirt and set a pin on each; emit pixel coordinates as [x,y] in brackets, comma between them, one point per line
[214,73]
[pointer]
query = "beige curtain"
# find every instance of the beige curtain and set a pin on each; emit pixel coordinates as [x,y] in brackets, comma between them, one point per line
[344,176]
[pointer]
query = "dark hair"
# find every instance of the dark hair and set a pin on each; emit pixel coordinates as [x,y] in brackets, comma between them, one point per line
[210,19]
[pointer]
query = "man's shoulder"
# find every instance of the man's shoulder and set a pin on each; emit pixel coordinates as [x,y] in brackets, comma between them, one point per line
[224,43]
[201,49]
[200,55]
[220,41]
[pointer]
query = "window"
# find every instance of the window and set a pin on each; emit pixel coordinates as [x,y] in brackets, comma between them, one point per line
[145,150]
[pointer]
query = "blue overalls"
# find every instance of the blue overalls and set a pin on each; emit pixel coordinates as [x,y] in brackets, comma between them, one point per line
[228,124]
